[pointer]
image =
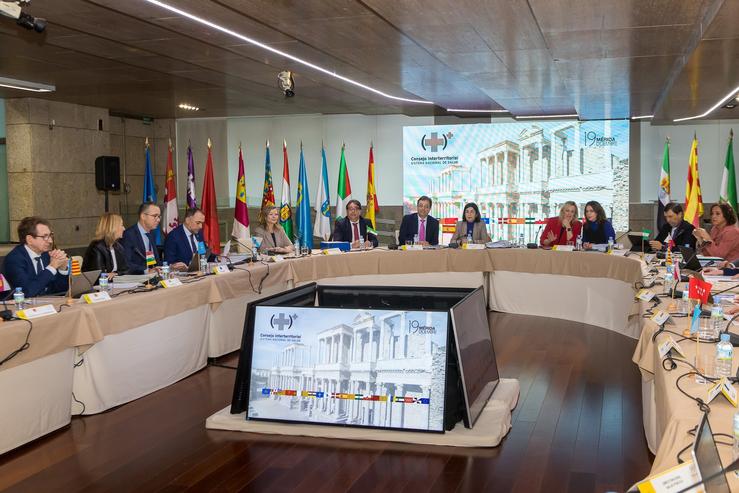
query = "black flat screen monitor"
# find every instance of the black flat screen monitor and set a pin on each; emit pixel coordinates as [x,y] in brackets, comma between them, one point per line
[477,365]
[706,458]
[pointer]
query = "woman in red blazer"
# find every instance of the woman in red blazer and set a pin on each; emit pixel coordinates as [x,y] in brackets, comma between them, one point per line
[563,229]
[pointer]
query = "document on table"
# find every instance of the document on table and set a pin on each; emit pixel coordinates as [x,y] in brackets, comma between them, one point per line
[713,279]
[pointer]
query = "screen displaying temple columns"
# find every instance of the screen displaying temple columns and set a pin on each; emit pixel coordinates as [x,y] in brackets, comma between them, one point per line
[517,173]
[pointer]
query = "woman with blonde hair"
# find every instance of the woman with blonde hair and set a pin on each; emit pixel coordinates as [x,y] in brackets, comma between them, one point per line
[105,253]
[274,239]
[563,229]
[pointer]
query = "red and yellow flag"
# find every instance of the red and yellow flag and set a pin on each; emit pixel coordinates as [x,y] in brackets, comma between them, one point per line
[693,197]
[372,205]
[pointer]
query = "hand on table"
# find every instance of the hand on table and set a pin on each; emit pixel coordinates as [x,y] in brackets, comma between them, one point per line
[656,245]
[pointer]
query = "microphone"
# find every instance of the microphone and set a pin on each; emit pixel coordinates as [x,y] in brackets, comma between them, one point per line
[535,244]
[621,236]
[6,314]
[251,250]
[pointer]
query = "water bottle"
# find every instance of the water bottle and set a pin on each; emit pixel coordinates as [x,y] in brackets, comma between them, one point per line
[103,282]
[610,244]
[165,272]
[521,241]
[469,238]
[578,243]
[415,239]
[203,264]
[297,247]
[685,304]
[667,282]
[735,448]
[19,298]
[724,357]
[717,320]
[361,243]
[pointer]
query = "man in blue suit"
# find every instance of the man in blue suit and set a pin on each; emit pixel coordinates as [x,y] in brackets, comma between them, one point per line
[421,224]
[353,226]
[182,242]
[138,240]
[33,265]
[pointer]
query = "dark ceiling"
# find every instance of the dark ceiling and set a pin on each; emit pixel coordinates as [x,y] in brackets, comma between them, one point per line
[596,58]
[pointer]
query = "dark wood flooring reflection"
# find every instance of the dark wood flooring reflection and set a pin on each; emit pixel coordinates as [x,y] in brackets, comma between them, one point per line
[577,427]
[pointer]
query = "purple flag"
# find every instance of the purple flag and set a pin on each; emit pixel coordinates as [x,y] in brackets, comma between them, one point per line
[191,201]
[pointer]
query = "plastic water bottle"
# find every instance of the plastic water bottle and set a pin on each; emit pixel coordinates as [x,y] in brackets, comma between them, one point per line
[717,320]
[165,272]
[103,282]
[610,244]
[668,280]
[19,298]
[469,239]
[735,451]
[685,304]
[724,357]
[361,243]
[203,264]
[297,247]
[521,241]
[415,239]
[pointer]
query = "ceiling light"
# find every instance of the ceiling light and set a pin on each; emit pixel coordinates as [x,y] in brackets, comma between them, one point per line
[281,53]
[730,105]
[539,117]
[642,117]
[188,107]
[458,110]
[731,94]
[25,85]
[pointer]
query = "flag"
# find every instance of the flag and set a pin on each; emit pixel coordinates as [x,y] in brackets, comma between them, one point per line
[344,191]
[150,191]
[664,186]
[286,213]
[728,181]
[372,206]
[191,200]
[74,268]
[268,194]
[211,233]
[693,197]
[322,225]
[695,323]
[4,284]
[171,215]
[699,290]
[305,228]
[240,229]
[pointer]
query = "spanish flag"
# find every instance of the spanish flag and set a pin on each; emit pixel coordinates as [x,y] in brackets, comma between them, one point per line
[372,206]
[693,197]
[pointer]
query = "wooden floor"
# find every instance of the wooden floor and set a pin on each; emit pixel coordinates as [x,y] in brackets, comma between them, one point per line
[577,427]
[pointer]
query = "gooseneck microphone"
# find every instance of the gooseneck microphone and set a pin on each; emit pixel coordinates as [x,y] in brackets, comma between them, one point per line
[535,244]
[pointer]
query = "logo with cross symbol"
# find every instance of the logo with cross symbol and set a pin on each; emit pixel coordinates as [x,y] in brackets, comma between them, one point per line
[281,321]
[434,141]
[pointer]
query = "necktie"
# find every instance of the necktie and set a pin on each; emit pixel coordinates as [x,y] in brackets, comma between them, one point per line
[39,265]
[192,244]
[356,231]
[422,231]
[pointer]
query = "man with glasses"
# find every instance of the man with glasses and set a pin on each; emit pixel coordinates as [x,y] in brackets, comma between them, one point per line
[139,241]
[353,226]
[34,265]
[182,242]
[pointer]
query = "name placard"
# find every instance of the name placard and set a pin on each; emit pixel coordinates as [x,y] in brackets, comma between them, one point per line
[36,312]
[473,246]
[221,269]
[667,345]
[660,317]
[644,295]
[412,248]
[723,387]
[331,251]
[277,258]
[563,248]
[170,283]
[97,297]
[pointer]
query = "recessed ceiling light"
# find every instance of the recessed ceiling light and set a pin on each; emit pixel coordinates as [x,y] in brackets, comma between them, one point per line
[642,117]
[459,110]
[24,85]
[294,58]
[712,108]
[188,107]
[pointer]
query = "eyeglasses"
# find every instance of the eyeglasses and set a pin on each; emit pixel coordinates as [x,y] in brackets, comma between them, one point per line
[156,216]
[353,209]
[48,237]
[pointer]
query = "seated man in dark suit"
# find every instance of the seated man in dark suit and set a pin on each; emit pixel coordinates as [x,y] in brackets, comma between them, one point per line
[353,226]
[182,242]
[679,230]
[33,265]
[421,224]
[138,240]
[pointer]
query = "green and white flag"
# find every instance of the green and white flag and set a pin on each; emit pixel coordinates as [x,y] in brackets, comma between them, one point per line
[344,192]
[728,181]
[664,186]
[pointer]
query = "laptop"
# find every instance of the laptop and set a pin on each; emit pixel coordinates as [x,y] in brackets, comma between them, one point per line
[706,458]
[195,261]
[690,259]
[639,242]
[84,283]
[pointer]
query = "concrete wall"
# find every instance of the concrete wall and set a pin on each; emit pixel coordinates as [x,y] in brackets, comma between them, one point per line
[51,151]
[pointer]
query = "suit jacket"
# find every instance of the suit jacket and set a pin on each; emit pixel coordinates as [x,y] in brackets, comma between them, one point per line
[20,272]
[135,250]
[683,234]
[267,242]
[554,225]
[409,228]
[177,246]
[343,231]
[479,233]
[97,257]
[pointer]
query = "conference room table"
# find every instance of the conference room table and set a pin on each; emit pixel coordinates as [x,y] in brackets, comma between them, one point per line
[88,358]
[669,414]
